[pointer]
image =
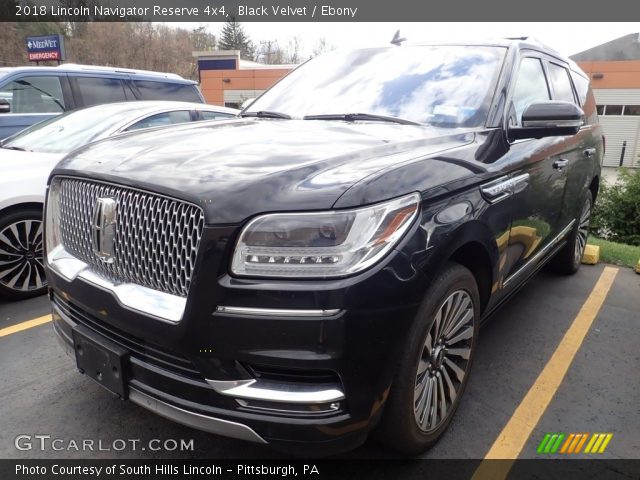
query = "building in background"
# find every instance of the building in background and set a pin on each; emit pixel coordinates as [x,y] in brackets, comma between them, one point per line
[228,80]
[614,70]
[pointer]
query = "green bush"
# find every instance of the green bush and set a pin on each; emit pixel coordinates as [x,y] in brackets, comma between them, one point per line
[616,215]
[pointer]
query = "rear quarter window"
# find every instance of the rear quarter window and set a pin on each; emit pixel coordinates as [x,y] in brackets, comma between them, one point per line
[150,90]
[98,90]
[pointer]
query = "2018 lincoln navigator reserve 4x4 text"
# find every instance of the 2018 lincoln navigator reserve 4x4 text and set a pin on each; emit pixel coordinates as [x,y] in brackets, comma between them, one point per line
[317,270]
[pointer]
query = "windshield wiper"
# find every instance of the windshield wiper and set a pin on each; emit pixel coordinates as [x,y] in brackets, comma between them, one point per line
[20,149]
[266,114]
[352,117]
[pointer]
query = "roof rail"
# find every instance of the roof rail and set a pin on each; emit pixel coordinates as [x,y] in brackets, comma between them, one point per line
[98,68]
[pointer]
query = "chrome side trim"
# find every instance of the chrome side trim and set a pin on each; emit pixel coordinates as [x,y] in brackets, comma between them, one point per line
[164,306]
[276,392]
[552,123]
[277,312]
[195,420]
[543,251]
[504,187]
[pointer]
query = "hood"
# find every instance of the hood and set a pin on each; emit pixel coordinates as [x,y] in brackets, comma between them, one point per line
[235,169]
[18,165]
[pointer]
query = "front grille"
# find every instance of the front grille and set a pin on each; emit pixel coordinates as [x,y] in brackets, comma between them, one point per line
[145,351]
[156,238]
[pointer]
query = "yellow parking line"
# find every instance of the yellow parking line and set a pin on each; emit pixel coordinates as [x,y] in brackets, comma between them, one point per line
[24,325]
[516,432]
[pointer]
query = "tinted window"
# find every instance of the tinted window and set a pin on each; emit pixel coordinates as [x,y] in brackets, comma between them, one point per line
[582,87]
[96,90]
[585,97]
[444,86]
[214,115]
[160,119]
[34,95]
[561,84]
[167,91]
[531,86]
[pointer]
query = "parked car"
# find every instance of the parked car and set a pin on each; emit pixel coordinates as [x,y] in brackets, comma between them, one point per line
[319,268]
[31,94]
[26,159]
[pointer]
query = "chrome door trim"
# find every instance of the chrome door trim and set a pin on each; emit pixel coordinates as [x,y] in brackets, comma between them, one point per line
[504,187]
[276,312]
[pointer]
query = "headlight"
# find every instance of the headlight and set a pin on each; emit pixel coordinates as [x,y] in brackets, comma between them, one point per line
[52,218]
[322,244]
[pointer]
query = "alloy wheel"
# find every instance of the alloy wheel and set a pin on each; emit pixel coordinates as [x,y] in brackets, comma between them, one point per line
[583,230]
[21,256]
[444,361]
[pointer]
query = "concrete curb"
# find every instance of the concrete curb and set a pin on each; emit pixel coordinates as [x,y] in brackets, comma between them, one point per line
[591,254]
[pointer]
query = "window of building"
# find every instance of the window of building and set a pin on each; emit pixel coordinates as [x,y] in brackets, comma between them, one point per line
[600,109]
[632,109]
[613,110]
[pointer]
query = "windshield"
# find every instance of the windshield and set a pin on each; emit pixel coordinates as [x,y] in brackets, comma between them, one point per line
[69,131]
[444,86]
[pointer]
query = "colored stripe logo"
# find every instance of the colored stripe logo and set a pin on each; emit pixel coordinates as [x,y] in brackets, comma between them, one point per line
[573,443]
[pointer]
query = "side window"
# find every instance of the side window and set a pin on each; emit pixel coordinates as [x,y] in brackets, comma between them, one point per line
[34,95]
[586,100]
[161,119]
[214,115]
[531,86]
[150,90]
[561,84]
[582,87]
[97,90]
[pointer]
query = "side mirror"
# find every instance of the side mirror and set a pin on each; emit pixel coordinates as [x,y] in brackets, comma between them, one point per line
[5,106]
[548,119]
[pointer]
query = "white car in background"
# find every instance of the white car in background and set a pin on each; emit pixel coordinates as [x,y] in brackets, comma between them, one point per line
[27,158]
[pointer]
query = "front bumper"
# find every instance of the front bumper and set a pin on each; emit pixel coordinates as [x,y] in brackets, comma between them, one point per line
[290,364]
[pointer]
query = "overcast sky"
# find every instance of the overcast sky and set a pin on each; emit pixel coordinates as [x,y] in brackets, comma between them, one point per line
[567,38]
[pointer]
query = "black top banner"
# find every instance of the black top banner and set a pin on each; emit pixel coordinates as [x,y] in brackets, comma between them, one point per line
[317,10]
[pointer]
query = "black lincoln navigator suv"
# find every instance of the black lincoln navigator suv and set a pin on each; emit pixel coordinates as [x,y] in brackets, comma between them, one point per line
[317,269]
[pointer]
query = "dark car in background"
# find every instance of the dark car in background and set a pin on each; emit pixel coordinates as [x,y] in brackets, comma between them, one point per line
[31,94]
[318,270]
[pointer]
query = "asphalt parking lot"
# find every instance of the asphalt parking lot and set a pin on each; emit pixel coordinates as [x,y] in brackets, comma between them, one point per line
[42,393]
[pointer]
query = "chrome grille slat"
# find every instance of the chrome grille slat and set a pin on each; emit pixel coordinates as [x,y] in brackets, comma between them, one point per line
[156,240]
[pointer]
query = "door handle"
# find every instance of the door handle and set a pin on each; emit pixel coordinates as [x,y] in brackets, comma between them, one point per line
[589,152]
[560,163]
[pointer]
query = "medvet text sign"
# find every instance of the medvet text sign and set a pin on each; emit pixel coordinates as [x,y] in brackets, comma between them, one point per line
[45,47]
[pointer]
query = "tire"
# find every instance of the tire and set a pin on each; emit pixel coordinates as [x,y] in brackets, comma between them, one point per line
[407,425]
[22,254]
[568,260]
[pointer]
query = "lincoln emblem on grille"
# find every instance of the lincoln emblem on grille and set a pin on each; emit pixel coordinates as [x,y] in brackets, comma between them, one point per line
[104,228]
